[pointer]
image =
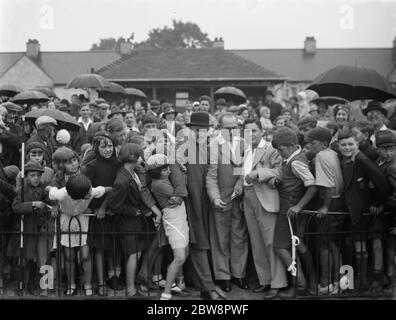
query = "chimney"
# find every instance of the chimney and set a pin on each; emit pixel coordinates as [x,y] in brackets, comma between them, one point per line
[125,48]
[309,45]
[218,43]
[394,51]
[32,48]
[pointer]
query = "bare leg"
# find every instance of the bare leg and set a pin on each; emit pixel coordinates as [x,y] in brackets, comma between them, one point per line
[131,272]
[179,256]
[87,266]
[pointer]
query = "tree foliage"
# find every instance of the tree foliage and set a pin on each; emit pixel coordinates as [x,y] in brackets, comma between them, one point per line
[181,35]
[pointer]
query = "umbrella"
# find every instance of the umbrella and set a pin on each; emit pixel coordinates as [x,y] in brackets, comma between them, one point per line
[30,97]
[12,105]
[135,93]
[49,92]
[230,94]
[9,90]
[65,120]
[329,101]
[352,83]
[115,88]
[88,81]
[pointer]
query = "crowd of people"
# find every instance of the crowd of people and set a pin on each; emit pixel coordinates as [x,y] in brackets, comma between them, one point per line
[145,196]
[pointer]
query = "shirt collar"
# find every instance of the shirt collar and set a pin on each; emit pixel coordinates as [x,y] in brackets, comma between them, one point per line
[221,139]
[260,145]
[293,154]
[81,121]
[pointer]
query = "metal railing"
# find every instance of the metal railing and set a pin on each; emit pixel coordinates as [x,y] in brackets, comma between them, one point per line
[332,259]
[24,278]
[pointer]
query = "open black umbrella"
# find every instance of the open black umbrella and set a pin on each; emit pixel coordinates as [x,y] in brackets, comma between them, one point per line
[230,94]
[65,120]
[114,92]
[49,92]
[135,93]
[29,97]
[88,81]
[352,83]
[329,101]
[9,90]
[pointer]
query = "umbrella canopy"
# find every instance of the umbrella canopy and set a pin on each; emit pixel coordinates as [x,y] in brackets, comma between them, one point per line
[49,92]
[12,106]
[30,97]
[329,101]
[230,94]
[88,81]
[352,83]
[115,88]
[65,120]
[9,90]
[135,93]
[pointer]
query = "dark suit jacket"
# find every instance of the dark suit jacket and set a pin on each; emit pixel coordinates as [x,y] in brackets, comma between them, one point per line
[359,177]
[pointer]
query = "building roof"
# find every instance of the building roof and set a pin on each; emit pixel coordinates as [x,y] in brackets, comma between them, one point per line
[186,65]
[63,66]
[298,66]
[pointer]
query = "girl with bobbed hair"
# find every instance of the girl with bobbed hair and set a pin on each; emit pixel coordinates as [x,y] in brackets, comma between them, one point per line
[102,171]
[128,205]
[65,163]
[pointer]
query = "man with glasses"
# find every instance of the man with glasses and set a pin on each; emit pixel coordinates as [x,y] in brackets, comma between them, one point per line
[227,228]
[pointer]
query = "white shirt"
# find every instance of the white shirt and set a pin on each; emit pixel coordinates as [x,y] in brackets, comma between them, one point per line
[372,138]
[170,125]
[232,145]
[248,163]
[301,169]
[85,124]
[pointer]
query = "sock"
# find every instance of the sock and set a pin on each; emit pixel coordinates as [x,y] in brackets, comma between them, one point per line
[110,273]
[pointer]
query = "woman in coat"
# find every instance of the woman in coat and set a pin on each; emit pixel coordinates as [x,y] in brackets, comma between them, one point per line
[126,202]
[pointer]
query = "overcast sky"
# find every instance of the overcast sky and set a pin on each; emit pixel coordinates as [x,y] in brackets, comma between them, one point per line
[65,25]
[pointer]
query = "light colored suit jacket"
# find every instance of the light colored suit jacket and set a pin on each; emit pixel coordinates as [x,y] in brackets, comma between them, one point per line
[223,171]
[267,162]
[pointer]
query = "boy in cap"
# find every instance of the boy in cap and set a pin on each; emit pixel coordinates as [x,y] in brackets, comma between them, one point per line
[386,143]
[37,221]
[330,184]
[306,124]
[45,134]
[296,189]
[360,174]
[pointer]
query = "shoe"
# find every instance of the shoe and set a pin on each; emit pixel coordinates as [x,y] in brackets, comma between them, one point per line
[165,296]
[211,295]
[260,289]
[326,290]
[388,287]
[225,285]
[289,293]
[136,296]
[159,282]
[72,291]
[88,292]
[178,291]
[114,283]
[271,294]
[241,283]
[102,290]
[181,284]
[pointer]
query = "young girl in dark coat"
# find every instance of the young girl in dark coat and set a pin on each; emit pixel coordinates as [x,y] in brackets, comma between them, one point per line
[126,202]
[102,171]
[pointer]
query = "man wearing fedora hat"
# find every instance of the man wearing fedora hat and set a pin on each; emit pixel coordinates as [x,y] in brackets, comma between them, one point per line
[116,112]
[376,114]
[192,154]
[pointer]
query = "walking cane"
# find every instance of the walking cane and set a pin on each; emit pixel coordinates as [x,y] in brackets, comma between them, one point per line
[20,264]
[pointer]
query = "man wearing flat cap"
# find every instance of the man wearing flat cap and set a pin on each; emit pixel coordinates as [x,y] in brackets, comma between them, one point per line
[376,114]
[45,134]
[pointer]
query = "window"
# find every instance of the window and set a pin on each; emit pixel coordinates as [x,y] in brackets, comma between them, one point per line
[181,99]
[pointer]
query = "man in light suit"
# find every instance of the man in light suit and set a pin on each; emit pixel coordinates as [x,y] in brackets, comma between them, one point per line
[261,205]
[227,227]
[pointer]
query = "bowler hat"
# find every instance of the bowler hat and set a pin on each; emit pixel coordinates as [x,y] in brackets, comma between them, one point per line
[199,119]
[374,105]
[385,138]
[116,110]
